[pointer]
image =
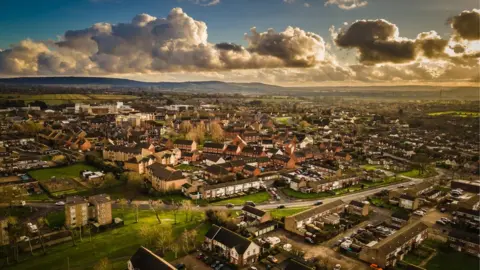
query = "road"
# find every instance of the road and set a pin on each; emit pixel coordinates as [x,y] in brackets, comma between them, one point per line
[299,203]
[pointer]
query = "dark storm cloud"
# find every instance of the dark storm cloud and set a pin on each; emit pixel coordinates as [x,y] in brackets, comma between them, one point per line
[229,47]
[467,24]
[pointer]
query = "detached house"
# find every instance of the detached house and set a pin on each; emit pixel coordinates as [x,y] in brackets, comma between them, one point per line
[236,248]
[252,214]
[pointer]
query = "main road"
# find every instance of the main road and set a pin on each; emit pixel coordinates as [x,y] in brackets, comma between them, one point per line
[272,205]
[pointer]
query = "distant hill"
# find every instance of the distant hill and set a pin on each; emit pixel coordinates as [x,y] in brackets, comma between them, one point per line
[101,81]
[410,92]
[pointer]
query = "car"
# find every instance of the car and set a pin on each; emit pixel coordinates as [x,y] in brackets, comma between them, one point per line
[441,222]
[272,259]
[230,205]
[60,203]
[252,268]
[318,203]
[250,203]
[443,210]
[281,206]
[219,266]
[309,240]
[419,213]
[446,220]
[180,266]
[200,256]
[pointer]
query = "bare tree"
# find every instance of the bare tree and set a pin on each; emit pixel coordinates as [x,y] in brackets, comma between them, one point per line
[42,222]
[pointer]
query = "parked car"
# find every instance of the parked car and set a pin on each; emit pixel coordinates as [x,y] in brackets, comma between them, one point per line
[250,203]
[441,222]
[281,206]
[230,205]
[318,203]
[272,259]
[180,266]
[213,265]
[309,240]
[419,213]
[60,203]
[219,266]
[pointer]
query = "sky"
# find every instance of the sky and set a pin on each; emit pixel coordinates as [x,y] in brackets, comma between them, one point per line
[314,42]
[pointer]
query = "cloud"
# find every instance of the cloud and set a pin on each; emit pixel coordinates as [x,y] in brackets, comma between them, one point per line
[205,3]
[178,46]
[148,44]
[347,4]
[466,25]
[294,46]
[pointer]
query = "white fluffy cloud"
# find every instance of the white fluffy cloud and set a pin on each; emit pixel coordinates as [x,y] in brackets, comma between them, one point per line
[347,4]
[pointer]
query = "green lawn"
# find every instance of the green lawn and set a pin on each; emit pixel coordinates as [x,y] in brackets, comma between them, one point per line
[59,172]
[300,195]
[369,167]
[186,167]
[56,219]
[117,244]
[279,213]
[456,114]
[256,198]
[415,173]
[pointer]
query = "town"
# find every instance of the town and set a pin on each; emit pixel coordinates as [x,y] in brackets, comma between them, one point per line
[110,179]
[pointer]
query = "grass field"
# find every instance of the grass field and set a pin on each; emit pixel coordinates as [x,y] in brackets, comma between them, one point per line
[72,171]
[256,198]
[279,213]
[456,114]
[117,244]
[283,120]
[56,99]
[416,173]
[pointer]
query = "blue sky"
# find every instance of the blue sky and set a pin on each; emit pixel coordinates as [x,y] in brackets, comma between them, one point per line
[227,21]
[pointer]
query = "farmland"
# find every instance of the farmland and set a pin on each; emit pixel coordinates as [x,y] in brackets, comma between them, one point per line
[456,114]
[57,99]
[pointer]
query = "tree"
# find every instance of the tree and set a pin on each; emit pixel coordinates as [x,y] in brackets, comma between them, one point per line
[156,209]
[421,161]
[165,238]
[187,207]
[175,247]
[42,222]
[185,127]
[216,132]
[14,232]
[109,180]
[103,264]
[123,203]
[134,181]
[176,209]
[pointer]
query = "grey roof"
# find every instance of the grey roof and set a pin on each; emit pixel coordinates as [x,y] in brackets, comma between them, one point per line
[75,200]
[399,238]
[100,198]
[145,259]
[228,238]
[252,210]
[317,210]
[161,171]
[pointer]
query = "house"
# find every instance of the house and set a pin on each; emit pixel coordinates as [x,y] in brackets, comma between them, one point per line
[283,161]
[464,242]
[144,259]
[124,153]
[139,164]
[467,186]
[214,148]
[236,248]
[390,250]
[164,178]
[296,223]
[231,188]
[255,215]
[399,219]
[342,156]
[358,208]
[76,212]
[190,156]
[185,145]
[263,228]
[249,171]
[297,184]
[408,201]
[210,159]
[100,209]
[233,150]
[216,172]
